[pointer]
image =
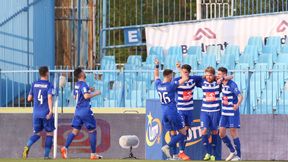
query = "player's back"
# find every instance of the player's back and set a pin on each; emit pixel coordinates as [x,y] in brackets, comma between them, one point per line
[83,105]
[40,90]
[166,92]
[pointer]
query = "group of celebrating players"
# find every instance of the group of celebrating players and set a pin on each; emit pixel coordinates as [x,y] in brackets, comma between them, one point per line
[216,115]
[41,93]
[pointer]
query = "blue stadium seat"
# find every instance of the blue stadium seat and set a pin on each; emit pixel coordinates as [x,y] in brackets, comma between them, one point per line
[197,51]
[208,60]
[171,60]
[241,77]
[256,41]
[150,59]
[274,41]
[107,60]
[214,50]
[152,94]
[267,59]
[284,49]
[282,58]
[157,51]
[136,101]
[191,60]
[175,50]
[230,57]
[135,60]
[250,56]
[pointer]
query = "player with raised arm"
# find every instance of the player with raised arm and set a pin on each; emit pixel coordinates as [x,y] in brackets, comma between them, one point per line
[230,115]
[83,114]
[42,97]
[185,101]
[172,120]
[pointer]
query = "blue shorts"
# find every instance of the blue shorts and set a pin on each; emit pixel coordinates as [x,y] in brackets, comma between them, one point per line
[88,120]
[210,120]
[187,117]
[42,123]
[230,121]
[172,121]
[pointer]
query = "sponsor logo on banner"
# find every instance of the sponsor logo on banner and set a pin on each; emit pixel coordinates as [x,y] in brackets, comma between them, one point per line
[153,130]
[194,134]
[204,32]
[282,26]
[81,142]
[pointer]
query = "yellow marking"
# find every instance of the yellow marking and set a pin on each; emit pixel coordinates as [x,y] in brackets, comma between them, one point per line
[69,110]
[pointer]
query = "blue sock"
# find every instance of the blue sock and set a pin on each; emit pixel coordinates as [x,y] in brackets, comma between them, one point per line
[214,143]
[177,138]
[172,146]
[32,140]
[69,140]
[182,143]
[206,144]
[48,145]
[93,141]
[237,146]
[227,141]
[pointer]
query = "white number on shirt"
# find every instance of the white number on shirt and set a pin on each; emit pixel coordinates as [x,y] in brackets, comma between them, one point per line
[163,98]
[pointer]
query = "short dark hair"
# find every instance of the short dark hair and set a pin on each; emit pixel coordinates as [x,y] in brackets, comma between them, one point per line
[43,70]
[167,72]
[187,67]
[223,70]
[77,72]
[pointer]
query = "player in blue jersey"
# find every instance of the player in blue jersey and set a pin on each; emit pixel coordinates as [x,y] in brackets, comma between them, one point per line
[83,114]
[210,112]
[42,97]
[185,101]
[172,120]
[230,116]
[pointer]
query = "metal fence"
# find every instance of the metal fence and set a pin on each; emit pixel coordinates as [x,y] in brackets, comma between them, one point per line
[265,92]
[120,15]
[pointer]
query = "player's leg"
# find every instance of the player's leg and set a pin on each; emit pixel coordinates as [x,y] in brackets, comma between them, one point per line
[168,126]
[205,122]
[38,127]
[76,125]
[234,134]
[49,128]
[187,118]
[90,124]
[215,116]
[224,122]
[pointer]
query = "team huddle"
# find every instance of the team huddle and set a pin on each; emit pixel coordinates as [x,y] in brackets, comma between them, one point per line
[178,110]
[42,95]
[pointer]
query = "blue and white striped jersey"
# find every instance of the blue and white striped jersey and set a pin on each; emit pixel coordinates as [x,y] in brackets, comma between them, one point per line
[230,94]
[185,92]
[211,96]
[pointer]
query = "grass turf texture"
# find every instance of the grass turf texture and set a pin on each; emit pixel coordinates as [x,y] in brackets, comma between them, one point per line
[87,160]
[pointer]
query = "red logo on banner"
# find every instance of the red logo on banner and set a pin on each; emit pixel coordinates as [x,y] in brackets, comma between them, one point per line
[282,26]
[81,143]
[204,32]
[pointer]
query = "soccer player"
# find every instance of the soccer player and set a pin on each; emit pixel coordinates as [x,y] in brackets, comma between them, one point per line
[210,112]
[172,120]
[41,94]
[185,101]
[230,116]
[83,114]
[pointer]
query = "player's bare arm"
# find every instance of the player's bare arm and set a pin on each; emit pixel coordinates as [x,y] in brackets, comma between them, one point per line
[50,104]
[91,95]
[156,70]
[240,99]
[29,98]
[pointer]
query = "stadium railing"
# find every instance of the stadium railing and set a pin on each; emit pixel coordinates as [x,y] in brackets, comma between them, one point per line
[265,91]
